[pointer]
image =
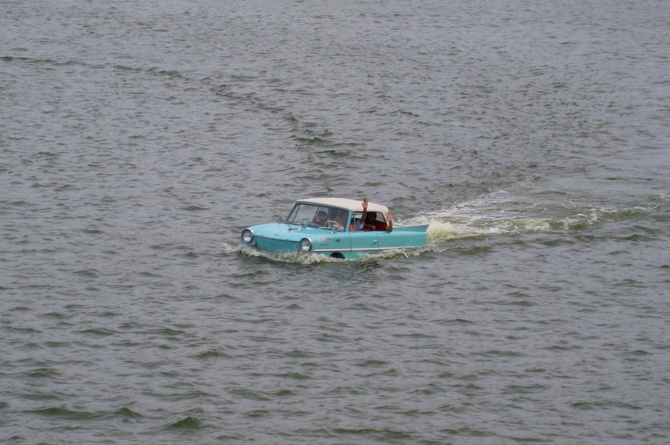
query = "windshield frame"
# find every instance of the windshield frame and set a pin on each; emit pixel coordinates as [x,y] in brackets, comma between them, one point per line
[305,214]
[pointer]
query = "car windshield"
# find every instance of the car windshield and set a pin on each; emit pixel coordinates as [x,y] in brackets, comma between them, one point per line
[311,215]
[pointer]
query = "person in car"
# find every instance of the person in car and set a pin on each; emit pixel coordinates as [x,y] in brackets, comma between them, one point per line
[369,220]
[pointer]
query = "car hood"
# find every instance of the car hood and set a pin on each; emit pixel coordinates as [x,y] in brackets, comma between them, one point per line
[288,232]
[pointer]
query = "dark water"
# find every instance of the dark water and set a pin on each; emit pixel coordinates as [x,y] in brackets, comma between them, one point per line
[139,138]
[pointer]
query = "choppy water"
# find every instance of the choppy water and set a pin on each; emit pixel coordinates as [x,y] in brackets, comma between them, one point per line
[139,138]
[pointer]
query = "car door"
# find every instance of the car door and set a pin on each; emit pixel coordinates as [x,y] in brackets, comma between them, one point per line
[387,240]
[364,241]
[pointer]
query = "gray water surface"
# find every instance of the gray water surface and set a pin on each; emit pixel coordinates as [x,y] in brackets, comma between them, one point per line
[139,139]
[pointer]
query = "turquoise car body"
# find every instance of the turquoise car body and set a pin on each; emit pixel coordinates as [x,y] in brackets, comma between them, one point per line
[340,234]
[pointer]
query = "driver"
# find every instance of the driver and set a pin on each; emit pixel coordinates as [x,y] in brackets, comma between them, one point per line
[321,218]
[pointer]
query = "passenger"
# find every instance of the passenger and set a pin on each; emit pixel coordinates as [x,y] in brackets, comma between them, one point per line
[370,221]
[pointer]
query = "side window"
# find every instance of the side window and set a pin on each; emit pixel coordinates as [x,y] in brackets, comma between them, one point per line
[373,221]
[380,222]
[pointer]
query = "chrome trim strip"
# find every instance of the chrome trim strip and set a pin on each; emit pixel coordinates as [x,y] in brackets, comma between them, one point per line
[358,250]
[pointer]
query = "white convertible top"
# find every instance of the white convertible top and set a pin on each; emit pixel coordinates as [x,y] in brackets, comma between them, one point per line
[348,204]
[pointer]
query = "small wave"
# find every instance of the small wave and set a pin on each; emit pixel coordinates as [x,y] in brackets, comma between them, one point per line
[282,257]
[211,354]
[98,332]
[43,373]
[57,411]
[189,423]
[127,413]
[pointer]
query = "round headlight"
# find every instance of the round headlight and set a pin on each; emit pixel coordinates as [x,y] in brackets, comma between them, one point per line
[305,245]
[247,236]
